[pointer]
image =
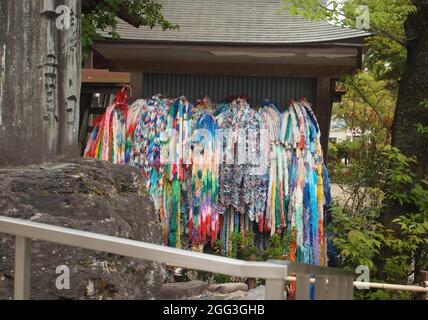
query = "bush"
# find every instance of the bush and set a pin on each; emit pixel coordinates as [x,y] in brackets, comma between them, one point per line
[360,237]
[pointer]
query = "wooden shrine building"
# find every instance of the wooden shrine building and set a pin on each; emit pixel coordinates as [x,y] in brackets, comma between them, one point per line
[234,47]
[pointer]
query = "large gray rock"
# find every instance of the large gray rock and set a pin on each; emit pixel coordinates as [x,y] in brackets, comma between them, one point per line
[86,195]
[225,288]
[179,290]
[256,293]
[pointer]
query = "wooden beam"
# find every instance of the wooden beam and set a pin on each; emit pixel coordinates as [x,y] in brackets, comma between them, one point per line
[328,48]
[105,76]
[308,71]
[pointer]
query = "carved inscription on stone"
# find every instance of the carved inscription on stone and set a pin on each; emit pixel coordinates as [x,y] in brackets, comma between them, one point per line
[72,58]
[50,75]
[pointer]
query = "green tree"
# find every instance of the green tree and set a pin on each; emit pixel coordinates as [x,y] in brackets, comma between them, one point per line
[397,52]
[102,16]
[386,55]
[368,106]
[359,236]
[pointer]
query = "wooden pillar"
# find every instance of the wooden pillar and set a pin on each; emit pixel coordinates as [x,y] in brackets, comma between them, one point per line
[323,110]
[40,60]
[137,86]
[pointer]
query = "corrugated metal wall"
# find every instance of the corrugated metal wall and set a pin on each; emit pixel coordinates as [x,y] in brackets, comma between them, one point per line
[257,88]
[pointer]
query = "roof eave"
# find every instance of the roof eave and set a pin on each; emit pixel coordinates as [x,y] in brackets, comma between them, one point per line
[352,41]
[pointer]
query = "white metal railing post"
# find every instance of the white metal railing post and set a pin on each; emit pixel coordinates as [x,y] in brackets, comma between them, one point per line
[22,268]
[326,280]
[274,289]
[303,286]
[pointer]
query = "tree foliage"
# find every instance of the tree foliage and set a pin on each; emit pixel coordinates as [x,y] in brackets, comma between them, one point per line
[360,237]
[103,17]
[366,110]
[421,128]
[368,105]
[386,55]
[383,220]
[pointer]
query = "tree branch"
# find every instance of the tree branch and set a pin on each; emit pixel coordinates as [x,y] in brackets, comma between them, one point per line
[361,94]
[376,30]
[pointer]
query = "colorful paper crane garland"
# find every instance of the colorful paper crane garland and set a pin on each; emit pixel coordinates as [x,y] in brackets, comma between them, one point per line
[203,215]
[107,141]
[217,173]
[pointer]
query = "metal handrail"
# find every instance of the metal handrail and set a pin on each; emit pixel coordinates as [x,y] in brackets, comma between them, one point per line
[330,283]
[23,230]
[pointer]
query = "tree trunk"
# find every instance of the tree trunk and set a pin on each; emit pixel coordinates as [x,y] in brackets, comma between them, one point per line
[413,90]
[39,80]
